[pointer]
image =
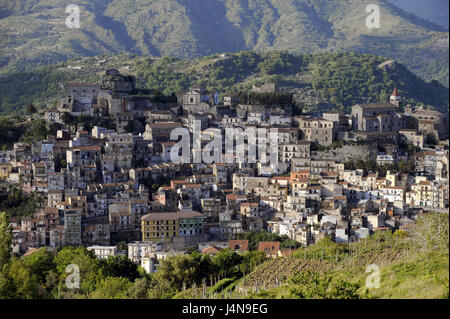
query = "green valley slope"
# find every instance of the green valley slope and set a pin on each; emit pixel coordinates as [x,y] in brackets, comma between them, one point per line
[411,265]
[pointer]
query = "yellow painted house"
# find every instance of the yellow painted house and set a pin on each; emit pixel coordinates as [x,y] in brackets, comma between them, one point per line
[164,227]
[5,171]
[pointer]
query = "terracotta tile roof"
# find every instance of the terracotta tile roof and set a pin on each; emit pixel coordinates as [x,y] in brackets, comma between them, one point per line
[212,250]
[236,197]
[238,244]
[269,246]
[192,185]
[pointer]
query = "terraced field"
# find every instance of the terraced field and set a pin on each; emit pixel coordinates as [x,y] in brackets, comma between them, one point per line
[408,268]
[276,271]
[374,257]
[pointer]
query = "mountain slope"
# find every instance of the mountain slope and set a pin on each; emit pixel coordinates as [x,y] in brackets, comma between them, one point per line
[319,82]
[32,32]
[433,10]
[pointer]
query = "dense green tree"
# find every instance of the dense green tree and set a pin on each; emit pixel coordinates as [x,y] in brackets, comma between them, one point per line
[117,266]
[31,109]
[162,288]
[18,204]
[36,132]
[112,288]
[40,263]
[5,240]
[226,263]
[372,166]
[185,269]
[139,289]
[90,266]
[7,289]
[54,127]
[250,260]
[6,284]
[26,283]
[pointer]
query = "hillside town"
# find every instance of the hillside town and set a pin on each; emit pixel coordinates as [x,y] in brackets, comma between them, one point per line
[117,191]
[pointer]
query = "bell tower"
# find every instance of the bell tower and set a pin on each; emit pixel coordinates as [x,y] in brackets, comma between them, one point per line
[395,97]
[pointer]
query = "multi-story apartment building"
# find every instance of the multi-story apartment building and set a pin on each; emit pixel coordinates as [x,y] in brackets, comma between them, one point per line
[72,227]
[316,130]
[300,149]
[165,227]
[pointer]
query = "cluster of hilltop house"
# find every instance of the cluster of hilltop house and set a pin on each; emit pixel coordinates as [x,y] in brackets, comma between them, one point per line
[106,186]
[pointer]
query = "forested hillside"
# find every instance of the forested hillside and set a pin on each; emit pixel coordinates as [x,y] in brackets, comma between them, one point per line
[319,82]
